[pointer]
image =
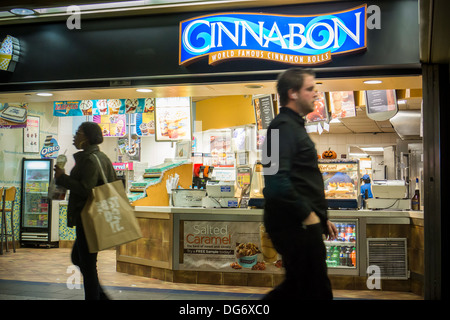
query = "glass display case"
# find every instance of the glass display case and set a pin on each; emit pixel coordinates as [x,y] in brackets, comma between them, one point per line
[39,225]
[341,183]
[343,251]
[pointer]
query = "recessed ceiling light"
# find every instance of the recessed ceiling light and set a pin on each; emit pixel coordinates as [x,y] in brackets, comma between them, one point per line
[253,86]
[144,90]
[23,12]
[373,81]
[44,94]
[372,149]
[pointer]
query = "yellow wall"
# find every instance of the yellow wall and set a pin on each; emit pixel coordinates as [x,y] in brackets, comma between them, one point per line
[224,112]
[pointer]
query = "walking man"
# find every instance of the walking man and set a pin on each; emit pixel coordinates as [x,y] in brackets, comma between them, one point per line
[295,213]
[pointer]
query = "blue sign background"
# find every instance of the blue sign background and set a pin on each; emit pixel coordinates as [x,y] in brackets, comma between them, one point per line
[201,35]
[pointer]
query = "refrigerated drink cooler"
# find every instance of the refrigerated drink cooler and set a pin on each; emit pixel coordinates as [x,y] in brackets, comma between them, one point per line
[38,226]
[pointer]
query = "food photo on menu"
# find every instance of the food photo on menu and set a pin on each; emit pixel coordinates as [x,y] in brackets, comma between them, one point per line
[320,112]
[342,104]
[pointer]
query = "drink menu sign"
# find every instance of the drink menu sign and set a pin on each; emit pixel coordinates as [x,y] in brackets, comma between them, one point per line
[291,39]
[380,101]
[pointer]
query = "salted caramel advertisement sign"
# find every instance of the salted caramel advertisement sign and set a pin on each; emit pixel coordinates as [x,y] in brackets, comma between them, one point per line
[290,39]
[228,246]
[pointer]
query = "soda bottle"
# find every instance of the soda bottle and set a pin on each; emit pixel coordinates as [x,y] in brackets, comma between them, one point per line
[342,232]
[348,257]
[353,236]
[349,232]
[329,251]
[353,257]
[335,256]
[342,257]
[338,228]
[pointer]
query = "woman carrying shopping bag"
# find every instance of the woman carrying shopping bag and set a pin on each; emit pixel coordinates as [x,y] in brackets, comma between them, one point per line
[85,175]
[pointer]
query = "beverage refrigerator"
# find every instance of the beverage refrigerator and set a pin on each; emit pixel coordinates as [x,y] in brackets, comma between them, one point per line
[38,226]
[343,252]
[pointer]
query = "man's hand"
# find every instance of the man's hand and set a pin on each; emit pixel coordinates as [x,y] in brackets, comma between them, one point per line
[332,230]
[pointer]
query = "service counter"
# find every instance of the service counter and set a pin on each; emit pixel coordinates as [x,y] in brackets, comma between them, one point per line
[198,245]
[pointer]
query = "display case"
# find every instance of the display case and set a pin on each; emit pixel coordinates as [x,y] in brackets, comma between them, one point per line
[38,223]
[343,252]
[341,183]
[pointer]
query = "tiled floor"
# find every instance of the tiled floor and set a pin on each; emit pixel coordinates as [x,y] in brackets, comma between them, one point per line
[33,273]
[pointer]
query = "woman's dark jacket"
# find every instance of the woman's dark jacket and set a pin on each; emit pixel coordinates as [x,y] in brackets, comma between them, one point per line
[84,176]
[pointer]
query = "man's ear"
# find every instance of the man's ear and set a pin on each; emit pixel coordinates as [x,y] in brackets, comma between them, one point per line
[292,94]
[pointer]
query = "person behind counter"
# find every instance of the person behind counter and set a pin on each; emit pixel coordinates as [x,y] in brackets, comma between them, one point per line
[366,186]
[84,176]
[295,212]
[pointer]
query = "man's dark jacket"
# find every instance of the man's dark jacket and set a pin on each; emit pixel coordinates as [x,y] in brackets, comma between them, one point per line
[84,176]
[297,188]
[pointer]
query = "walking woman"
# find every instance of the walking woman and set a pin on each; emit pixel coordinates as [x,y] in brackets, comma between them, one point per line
[84,176]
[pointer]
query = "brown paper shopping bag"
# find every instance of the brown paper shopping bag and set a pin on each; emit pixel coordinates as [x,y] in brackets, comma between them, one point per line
[108,218]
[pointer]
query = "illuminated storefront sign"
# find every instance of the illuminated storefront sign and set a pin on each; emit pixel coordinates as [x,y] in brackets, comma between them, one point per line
[299,40]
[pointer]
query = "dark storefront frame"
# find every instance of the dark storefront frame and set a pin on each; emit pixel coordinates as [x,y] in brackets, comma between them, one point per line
[141,51]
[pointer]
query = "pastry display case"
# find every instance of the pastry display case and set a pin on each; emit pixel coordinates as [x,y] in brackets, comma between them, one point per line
[341,183]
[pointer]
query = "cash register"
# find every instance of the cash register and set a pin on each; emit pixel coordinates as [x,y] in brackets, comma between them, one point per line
[389,195]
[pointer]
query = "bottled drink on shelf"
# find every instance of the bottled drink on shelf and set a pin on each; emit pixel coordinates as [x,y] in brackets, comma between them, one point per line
[335,255]
[342,232]
[415,200]
[348,258]
[342,261]
[349,232]
[353,257]
[338,228]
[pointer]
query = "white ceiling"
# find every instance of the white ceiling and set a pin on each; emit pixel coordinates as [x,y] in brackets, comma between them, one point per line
[205,90]
[359,124]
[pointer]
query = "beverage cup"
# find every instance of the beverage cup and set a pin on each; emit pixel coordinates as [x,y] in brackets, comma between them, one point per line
[61,161]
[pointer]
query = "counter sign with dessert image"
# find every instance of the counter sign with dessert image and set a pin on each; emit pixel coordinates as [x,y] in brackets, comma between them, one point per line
[13,115]
[228,246]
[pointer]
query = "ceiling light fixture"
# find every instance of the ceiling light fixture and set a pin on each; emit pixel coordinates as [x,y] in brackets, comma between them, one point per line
[373,81]
[372,149]
[23,12]
[44,94]
[253,86]
[144,90]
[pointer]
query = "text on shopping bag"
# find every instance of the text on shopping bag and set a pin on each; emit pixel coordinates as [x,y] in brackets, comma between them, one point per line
[109,208]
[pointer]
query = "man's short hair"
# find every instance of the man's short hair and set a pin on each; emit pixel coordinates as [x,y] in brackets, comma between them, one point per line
[291,79]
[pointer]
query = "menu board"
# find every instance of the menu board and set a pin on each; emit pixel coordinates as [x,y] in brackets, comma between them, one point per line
[342,104]
[145,124]
[102,107]
[31,135]
[112,125]
[320,112]
[264,114]
[173,119]
[380,101]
